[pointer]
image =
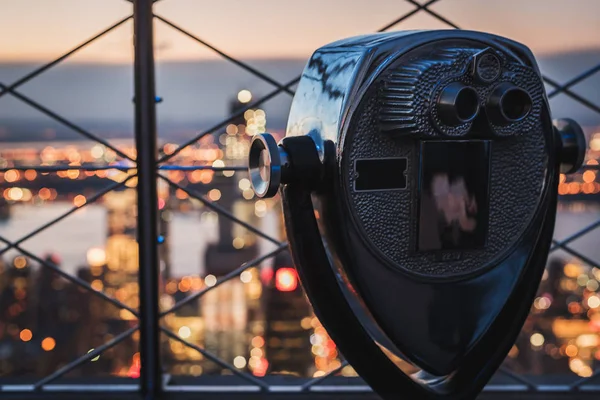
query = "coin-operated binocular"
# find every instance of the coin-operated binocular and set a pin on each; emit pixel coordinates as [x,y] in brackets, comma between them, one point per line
[419,178]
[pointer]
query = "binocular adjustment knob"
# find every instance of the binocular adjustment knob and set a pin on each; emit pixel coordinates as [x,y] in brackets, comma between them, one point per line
[266,164]
[573,144]
[486,66]
[294,160]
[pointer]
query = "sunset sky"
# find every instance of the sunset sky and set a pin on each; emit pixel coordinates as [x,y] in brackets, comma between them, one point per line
[39,30]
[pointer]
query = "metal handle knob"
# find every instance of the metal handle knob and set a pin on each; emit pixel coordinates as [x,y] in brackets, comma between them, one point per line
[573,144]
[266,165]
[295,159]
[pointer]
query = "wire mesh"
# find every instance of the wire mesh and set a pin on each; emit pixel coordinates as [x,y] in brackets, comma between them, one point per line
[129,164]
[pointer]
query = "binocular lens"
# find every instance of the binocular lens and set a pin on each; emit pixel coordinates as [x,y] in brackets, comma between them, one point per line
[458,104]
[516,104]
[467,104]
[508,103]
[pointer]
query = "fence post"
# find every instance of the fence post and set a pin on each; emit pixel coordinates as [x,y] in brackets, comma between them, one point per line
[147,231]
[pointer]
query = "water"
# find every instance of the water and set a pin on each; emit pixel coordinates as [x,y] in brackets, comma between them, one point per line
[572,218]
[71,238]
[189,234]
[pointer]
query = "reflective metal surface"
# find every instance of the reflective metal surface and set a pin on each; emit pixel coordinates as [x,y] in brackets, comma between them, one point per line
[265,165]
[459,330]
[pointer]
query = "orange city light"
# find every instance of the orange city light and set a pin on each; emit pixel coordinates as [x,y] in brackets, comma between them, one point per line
[286,279]
[48,344]
[25,335]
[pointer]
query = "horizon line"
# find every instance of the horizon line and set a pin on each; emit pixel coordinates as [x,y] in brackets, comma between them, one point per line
[217,58]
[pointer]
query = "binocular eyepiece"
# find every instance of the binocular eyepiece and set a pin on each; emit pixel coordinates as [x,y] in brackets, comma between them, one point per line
[458,104]
[419,178]
[507,103]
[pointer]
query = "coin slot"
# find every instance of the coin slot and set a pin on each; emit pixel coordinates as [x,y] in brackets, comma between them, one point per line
[380,174]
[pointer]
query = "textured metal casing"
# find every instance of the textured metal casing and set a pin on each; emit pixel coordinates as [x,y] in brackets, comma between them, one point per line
[388,219]
[433,315]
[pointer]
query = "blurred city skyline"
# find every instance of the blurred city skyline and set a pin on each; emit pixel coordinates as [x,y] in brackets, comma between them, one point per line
[197,94]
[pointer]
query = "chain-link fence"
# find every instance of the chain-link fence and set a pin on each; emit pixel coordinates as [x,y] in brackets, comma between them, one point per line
[127,321]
